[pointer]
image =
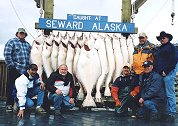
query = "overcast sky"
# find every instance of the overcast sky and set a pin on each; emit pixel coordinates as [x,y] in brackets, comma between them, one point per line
[153,17]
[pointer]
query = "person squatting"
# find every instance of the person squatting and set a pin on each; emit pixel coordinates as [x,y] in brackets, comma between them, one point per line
[146,90]
[151,94]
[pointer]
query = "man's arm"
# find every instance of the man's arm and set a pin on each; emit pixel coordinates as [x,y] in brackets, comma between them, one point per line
[50,83]
[8,54]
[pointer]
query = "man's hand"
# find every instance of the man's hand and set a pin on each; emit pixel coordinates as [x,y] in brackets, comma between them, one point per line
[141,100]
[118,103]
[20,114]
[71,100]
[133,93]
[42,86]
[59,92]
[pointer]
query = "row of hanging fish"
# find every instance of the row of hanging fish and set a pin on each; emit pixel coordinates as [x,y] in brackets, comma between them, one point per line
[95,59]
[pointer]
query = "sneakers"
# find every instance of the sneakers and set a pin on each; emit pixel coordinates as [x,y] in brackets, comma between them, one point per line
[15,108]
[9,108]
[40,110]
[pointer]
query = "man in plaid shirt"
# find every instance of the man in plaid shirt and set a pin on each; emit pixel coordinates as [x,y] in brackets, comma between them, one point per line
[17,55]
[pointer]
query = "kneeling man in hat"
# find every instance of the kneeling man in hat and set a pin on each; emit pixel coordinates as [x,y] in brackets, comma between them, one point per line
[152,93]
[27,86]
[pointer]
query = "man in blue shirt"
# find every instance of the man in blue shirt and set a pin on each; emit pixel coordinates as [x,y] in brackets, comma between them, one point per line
[165,63]
[16,54]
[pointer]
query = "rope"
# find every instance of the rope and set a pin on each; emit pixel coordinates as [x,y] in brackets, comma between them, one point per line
[20,19]
[155,15]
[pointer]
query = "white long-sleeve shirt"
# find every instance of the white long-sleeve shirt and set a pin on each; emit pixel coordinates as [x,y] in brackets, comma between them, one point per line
[22,84]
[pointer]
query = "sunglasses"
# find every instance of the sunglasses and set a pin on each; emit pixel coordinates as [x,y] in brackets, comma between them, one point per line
[163,38]
[21,32]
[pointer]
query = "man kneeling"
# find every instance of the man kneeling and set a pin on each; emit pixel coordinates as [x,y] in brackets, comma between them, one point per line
[27,86]
[124,92]
[60,84]
[152,93]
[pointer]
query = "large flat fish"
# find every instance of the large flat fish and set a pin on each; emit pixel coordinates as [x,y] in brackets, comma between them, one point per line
[89,70]
[55,50]
[101,48]
[36,52]
[46,54]
[117,56]
[111,64]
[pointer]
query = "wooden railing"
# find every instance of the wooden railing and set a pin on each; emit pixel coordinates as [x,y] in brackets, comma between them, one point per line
[3,79]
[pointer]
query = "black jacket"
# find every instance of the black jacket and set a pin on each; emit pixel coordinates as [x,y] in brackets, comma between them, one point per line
[125,84]
[56,76]
[165,58]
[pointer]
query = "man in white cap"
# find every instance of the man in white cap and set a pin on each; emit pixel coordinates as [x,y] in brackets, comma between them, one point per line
[16,53]
[142,52]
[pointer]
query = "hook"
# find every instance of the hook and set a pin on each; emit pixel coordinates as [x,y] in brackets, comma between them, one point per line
[172,15]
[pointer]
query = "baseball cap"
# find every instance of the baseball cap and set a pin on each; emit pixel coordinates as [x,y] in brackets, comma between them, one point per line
[147,63]
[127,65]
[142,34]
[33,67]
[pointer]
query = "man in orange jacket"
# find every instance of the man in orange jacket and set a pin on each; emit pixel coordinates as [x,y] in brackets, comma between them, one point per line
[125,91]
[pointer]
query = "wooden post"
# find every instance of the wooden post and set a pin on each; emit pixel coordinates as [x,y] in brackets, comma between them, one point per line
[126,10]
[48,12]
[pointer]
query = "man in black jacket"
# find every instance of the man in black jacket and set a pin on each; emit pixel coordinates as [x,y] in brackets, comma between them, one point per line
[165,63]
[152,91]
[124,92]
[60,84]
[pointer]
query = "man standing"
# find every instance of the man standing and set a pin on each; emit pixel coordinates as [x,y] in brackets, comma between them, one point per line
[60,84]
[28,85]
[152,92]
[17,54]
[165,63]
[142,52]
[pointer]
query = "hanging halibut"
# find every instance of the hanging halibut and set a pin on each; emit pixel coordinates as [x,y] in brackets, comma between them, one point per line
[100,47]
[124,50]
[55,50]
[118,57]
[89,70]
[81,41]
[130,48]
[36,53]
[46,54]
[111,64]
[63,49]
[71,52]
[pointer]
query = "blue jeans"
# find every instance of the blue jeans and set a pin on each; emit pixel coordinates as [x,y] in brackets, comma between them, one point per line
[149,105]
[59,99]
[170,92]
[31,93]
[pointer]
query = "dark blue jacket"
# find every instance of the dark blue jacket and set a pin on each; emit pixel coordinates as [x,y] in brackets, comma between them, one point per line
[152,86]
[165,58]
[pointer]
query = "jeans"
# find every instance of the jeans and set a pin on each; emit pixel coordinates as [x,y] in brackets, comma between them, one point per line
[170,92]
[31,93]
[150,106]
[59,99]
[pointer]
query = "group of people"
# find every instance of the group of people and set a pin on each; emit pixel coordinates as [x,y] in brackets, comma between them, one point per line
[149,90]
[24,81]
[149,86]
